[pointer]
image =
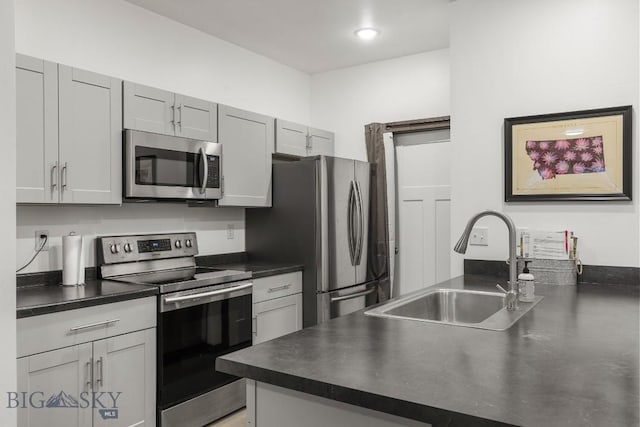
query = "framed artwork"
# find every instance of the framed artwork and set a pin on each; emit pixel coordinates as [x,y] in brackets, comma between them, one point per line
[577,156]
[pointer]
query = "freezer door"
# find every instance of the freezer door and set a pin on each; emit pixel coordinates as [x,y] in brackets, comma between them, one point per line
[344,301]
[339,197]
[362,184]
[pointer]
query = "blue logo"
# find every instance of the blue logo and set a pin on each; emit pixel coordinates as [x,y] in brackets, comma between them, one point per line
[105,402]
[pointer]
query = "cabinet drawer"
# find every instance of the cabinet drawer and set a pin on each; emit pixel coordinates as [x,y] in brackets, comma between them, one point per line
[267,288]
[56,330]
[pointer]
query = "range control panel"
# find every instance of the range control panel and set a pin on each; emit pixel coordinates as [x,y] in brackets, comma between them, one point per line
[116,249]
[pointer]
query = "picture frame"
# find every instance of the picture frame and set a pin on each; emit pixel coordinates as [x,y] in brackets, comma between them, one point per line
[574,156]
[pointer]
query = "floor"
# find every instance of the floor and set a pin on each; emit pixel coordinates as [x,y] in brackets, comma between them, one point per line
[237,419]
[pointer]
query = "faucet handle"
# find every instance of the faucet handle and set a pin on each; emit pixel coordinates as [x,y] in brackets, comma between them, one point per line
[501,288]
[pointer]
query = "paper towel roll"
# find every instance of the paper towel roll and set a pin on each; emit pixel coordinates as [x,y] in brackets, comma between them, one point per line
[72,260]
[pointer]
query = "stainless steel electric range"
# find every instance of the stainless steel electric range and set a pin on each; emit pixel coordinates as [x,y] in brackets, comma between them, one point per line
[203,313]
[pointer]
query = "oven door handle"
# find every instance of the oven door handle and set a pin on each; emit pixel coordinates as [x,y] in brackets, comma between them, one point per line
[169,300]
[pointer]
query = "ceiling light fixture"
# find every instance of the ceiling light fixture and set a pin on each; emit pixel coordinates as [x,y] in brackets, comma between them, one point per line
[367,33]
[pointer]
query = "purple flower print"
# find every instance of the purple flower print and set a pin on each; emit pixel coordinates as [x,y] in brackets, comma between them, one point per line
[586,156]
[597,166]
[549,157]
[546,173]
[578,168]
[562,167]
[582,144]
[570,155]
[566,156]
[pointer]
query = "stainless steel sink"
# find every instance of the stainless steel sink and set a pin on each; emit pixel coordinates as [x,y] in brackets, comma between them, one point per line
[474,309]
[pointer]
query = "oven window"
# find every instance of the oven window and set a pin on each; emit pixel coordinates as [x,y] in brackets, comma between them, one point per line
[190,341]
[155,166]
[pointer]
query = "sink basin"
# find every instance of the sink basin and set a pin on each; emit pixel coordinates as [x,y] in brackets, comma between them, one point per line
[475,309]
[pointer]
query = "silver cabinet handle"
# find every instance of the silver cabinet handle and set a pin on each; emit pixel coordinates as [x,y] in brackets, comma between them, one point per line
[354,295]
[173,116]
[93,325]
[207,294]
[279,288]
[179,122]
[54,176]
[205,167]
[99,364]
[254,325]
[64,176]
[89,366]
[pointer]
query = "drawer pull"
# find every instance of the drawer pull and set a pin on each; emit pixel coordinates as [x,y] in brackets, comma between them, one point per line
[279,288]
[93,325]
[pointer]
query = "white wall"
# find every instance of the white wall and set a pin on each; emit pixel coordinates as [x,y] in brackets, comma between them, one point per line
[7,211]
[410,87]
[122,40]
[516,58]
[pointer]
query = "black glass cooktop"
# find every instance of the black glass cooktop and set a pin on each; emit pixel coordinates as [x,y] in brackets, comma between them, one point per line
[185,278]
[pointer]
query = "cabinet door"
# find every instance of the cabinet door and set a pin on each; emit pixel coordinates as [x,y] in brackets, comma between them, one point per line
[291,138]
[126,364]
[148,109]
[57,386]
[277,317]
[90,144]
[36,131]
[196,118]
[321,142]
[247,145]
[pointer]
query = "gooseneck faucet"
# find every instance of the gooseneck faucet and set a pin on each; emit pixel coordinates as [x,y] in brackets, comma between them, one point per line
[461,248]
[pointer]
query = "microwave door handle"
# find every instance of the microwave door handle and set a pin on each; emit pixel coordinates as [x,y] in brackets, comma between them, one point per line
[205,167]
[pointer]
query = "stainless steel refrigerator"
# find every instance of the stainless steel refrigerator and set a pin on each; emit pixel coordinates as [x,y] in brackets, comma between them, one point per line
[319,218]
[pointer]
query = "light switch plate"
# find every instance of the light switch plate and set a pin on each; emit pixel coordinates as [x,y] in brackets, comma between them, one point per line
[479,236]
[230,231]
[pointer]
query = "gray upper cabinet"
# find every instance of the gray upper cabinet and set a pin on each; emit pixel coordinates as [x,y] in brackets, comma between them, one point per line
[69,134]
[154,110]
[247,146]
[36,130]
[300,140]
[90,146]
[321,142]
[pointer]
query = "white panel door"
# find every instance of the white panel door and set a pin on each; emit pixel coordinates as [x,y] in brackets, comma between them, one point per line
[291,138]
[247,146]
[90,145]
[196,118]
[148,109]
[37,169]
[423,198]
[59,383]
[277,317]
[321,142]
[126,364]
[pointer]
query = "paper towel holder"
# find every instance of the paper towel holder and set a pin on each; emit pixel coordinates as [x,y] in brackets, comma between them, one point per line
[78,276]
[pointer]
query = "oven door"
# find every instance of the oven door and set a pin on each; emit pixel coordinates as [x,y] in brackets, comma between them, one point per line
[168,167]
[194,328]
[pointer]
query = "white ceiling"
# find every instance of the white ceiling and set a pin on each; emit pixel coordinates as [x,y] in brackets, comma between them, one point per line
[316,35]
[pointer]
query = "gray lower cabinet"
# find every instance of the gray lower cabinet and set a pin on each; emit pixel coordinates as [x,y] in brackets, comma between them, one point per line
[155,110]
[277,306]
[300,140]
[69,134]
[108,378]
[247,146]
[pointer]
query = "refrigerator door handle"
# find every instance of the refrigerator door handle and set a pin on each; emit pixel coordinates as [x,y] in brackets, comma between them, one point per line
[350,223]
[360,225]
[354,295]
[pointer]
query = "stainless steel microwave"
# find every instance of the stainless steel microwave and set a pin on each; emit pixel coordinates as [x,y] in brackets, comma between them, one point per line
[169,167]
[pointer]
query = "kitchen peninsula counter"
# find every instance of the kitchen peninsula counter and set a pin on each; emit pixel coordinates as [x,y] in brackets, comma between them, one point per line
[573,360]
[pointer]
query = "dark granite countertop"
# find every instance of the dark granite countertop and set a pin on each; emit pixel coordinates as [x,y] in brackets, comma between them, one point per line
[34,300]
[571,361]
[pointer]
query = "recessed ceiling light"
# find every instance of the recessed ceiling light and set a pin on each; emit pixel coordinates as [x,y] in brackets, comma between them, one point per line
[367,33]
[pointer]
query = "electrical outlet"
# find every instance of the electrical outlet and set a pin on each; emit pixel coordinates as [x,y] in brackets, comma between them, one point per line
[230,231]
[39,240]
[479,236]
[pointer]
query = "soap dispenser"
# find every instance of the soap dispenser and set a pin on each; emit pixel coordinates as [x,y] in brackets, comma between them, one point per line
[525,285]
